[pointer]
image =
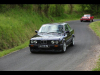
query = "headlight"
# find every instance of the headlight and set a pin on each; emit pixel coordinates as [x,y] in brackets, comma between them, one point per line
[56,42]
[52,42]
[33,41]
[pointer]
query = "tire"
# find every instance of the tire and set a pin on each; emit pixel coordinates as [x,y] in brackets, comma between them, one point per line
[81,20]
[92,20]
[72,43]
[32,51]
[64,47]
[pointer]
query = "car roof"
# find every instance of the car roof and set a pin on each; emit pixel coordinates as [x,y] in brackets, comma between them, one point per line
[56,23]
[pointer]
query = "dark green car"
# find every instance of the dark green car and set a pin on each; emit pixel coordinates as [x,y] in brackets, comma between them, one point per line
[52,37]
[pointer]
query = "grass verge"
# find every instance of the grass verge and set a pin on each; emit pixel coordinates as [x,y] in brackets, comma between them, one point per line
[95,26]
[5,52]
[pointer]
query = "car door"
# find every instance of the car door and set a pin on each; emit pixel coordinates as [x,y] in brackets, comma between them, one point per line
[67,34]
[70,33]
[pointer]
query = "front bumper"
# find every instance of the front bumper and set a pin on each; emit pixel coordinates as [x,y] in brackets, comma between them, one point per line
[52,48]
[84,19]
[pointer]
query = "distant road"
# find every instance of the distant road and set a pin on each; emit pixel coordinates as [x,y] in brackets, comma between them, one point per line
[74,59]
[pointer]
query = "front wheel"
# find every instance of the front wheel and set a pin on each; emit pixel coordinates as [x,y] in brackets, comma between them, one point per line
[91,20]
[32,51]
[72,42]
[64,47]
[81,20]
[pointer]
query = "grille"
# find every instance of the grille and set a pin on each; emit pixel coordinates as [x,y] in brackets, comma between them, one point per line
[45,42]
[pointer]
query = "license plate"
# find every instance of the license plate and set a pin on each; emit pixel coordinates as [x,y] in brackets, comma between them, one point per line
[43,46]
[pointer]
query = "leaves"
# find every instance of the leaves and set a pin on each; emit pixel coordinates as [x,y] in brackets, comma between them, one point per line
[91,8]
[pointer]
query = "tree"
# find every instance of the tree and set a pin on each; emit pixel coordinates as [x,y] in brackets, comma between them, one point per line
[71,8]
[91,8]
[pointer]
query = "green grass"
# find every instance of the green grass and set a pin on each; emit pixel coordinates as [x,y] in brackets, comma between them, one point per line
[95,26]
[97,68]
[5,52]
[16,27]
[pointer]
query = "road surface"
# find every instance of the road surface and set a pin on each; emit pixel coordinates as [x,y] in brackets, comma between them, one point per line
[74,59]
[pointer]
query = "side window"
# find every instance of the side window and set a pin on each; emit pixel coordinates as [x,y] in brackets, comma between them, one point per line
[66,28]
[69,27]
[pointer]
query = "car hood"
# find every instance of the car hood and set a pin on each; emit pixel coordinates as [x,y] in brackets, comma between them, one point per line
[47,37]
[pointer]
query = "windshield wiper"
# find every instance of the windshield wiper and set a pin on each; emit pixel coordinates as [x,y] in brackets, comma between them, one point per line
[51,32]
[42,32]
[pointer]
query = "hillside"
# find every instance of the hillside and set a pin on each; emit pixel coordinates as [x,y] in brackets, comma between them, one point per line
[17,26]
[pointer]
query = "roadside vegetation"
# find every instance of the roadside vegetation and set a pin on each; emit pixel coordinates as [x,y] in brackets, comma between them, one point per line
[19,21]
[95,26]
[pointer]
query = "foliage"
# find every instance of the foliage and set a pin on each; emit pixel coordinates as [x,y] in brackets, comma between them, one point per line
[95,26]
[53,9]
[91,8]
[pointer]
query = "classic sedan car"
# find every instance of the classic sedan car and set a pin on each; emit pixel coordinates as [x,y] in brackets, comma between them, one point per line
[52,37]
[87,17]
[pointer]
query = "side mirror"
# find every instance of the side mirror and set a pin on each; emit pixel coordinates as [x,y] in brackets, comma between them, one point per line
[36,31]
[67,31]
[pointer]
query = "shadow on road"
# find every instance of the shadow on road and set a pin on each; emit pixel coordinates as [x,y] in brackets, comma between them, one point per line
[68,49]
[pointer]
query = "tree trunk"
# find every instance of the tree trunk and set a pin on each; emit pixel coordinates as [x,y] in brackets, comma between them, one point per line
[71,8]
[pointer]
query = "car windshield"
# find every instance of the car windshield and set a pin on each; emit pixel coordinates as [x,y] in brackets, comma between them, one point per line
[51,29]
[86,15]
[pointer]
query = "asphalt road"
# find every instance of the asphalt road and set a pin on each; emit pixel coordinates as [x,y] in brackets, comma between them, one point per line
[74,59]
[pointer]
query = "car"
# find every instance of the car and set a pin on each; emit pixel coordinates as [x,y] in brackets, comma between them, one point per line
[87,17]
[54,37]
